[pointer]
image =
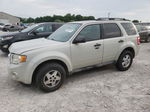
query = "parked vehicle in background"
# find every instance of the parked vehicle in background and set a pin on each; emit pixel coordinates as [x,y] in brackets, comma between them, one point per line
[1,26]
[12,28]
[144,32]
[41,30]
[74,46]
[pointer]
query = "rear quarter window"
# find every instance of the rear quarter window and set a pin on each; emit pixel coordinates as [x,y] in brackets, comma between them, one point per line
[111,30]
[129,28]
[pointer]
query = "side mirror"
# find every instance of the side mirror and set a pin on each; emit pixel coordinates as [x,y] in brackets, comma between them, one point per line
[79,40]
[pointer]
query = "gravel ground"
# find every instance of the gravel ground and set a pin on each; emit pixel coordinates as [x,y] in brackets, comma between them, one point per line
[101,89]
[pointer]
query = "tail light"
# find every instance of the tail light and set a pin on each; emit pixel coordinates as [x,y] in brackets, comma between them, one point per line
[138,40]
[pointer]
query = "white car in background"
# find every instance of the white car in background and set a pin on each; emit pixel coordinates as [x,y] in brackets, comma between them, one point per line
[1,26]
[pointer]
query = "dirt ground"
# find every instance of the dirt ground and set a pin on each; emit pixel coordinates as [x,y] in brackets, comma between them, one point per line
[101,89]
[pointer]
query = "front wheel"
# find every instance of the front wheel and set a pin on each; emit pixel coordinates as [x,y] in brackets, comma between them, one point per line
[6,49]
[125,61]
[50,77]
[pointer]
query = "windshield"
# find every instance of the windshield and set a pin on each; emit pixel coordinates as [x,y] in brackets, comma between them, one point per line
[29,28]
[64,33]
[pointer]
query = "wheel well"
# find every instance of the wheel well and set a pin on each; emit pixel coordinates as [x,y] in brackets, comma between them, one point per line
[131,50]
[48,61]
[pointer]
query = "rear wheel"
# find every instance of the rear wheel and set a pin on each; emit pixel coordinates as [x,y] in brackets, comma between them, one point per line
[50,77]
[125,61]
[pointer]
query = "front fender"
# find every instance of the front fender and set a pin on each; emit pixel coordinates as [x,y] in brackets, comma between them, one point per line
[38,59]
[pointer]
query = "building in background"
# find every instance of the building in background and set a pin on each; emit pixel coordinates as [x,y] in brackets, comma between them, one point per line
[8,19]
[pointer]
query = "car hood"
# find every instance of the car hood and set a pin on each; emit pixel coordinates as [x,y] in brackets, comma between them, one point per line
[7,34]
[25,46]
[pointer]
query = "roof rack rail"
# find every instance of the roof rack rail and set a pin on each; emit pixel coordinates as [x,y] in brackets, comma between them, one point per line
[116,19]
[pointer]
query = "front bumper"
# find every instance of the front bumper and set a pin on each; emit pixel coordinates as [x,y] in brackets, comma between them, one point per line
[19,72]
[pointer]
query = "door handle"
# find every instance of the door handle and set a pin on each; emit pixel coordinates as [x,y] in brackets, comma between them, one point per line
[97,45]
[120,41]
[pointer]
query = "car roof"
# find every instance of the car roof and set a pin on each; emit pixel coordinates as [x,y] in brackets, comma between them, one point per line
[49,23]
[100,21]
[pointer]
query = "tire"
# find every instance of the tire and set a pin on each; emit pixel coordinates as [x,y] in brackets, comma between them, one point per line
[50,77]
[125,61]
[147,39]
[4,50]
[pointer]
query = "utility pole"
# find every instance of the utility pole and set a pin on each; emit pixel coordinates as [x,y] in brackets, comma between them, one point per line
[109,14]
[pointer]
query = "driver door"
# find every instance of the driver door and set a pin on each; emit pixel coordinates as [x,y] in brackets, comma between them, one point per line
[42,31]
[89,52]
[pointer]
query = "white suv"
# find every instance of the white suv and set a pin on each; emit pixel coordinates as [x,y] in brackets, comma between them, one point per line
[73,46]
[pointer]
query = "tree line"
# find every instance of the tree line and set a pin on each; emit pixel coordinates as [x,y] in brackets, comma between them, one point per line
[57,18]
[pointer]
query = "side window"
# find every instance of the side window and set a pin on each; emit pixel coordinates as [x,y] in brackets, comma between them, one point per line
[44,28]
[129,28]
[56,26]
[111,30]
[40,29]
[90,33]
[48,28]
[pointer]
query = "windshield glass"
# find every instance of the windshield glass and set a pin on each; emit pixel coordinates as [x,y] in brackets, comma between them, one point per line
[29,28]
[65,32]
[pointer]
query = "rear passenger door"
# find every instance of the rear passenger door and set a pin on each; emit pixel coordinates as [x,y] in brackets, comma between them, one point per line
[113,40]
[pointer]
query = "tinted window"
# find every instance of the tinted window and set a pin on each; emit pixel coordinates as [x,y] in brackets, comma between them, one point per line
[111,30]
[44,28]
[40,29]
[30,28]
[56,26]
[90,33]
[129,28]
[48,28]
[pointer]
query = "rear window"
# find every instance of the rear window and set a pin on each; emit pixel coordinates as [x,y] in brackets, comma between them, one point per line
[129,28]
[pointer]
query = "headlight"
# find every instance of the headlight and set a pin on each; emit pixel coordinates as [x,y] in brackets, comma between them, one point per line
[6,38]
[16,59]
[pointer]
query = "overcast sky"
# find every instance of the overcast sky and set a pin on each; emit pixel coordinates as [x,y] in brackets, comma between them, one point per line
[130,9]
